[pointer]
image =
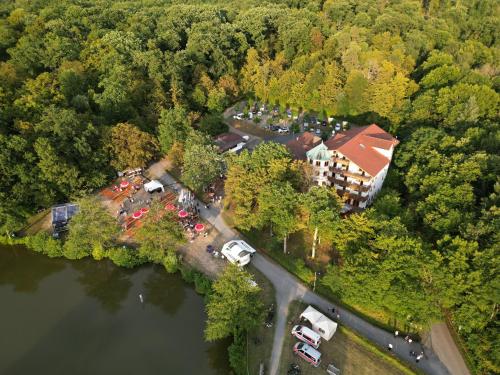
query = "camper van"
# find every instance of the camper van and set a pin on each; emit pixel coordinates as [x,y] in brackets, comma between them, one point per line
[238,252]
[308,353]
[307,335]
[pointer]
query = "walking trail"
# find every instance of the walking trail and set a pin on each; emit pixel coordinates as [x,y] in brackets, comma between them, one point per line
[289,288]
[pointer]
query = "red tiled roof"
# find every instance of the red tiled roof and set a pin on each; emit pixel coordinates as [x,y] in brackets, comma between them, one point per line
[358,145]
[303,143]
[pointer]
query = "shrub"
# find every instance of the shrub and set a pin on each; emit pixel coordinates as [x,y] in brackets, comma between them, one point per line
[43,243]
[187,274]
[202,284]
[125,257]
[237,356]
[171,262]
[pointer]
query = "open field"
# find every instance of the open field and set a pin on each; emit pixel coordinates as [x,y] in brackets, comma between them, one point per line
[346,351]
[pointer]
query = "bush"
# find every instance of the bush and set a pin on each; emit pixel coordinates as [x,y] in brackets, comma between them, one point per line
[171,262]
[202,284]
[187,274]
[237,355]
[43,243]
[125,257]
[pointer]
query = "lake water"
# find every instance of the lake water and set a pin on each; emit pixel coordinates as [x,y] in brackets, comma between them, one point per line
[85,317]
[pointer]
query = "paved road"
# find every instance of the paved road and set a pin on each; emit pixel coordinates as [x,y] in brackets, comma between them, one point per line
[289,288]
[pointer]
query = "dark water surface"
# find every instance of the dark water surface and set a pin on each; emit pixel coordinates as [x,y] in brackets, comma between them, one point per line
[85,317]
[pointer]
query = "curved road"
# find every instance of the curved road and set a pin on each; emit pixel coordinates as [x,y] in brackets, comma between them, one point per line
[289,288]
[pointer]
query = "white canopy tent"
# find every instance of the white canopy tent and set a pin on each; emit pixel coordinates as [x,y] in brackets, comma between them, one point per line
[320,323]
[154,185]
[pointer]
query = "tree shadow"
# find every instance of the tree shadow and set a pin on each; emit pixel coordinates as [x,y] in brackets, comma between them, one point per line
[164,290]
[104,281]
[24,269]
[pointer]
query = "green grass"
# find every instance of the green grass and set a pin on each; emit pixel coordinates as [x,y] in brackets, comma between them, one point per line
[260,340]
[346,351]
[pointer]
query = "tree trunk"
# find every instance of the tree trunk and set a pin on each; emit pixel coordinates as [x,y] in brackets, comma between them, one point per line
[284,244]
[313,253]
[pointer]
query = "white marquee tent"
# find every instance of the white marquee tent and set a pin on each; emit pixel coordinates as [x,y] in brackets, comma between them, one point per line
[320,323]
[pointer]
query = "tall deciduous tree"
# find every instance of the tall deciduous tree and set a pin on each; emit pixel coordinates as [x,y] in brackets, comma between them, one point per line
[202,163]
[160,234]
[92,229]
[131,147]
[173,126]
[322,207]
[234,305]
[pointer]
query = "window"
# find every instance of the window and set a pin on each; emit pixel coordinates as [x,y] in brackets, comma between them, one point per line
[326,163]
[311,161]
[318,163]
[325,173]
[334,165]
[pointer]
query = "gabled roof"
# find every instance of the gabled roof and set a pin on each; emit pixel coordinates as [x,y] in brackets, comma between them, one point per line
[320,152]
[301,144]
[359,145]
[226,141]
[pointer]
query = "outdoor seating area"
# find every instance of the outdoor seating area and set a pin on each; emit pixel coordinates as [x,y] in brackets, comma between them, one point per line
[131,201]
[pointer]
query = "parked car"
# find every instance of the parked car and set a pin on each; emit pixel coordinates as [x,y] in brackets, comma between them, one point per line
[274,128]
[259,113]
[306,125]
[283,130]
[308,353]
[337,127]
[318,131]
[324,123]
[239,116]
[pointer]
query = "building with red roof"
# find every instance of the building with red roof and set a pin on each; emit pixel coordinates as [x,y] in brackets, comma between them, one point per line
[355,162]
[299,146]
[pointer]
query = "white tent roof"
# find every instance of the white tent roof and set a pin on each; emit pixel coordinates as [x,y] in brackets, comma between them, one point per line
[152,185]
[320,323]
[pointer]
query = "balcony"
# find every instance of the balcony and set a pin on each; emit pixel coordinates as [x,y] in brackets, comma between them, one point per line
[356,197]
[341,161]
[357,176]
[350,185]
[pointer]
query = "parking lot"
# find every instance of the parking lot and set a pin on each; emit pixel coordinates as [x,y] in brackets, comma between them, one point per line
[273,123]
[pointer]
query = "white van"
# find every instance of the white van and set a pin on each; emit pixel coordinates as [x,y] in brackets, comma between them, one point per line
[238,252]
[307,335]
[308,353]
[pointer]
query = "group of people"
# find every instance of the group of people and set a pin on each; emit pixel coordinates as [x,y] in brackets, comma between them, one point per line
[409,340]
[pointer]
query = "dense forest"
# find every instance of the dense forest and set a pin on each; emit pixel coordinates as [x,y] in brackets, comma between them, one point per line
[88,87]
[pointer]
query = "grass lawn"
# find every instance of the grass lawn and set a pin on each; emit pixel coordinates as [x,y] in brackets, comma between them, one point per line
[346,351]
[260,340]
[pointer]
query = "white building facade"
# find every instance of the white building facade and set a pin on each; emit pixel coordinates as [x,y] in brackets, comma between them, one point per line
[355,162]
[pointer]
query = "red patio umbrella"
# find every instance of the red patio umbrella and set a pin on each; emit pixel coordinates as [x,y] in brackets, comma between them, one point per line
[137,214]
[182,214]
[170,207]
[144,210]
[124,184]
[199,227]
